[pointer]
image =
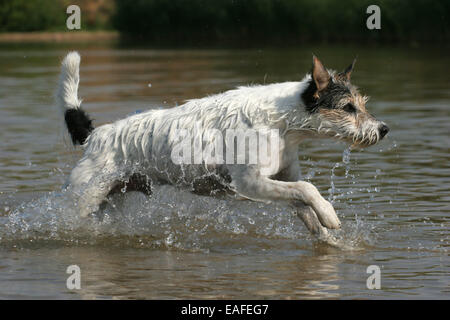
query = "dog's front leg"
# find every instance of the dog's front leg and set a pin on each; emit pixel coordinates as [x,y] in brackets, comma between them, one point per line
[309,218]
[249,183]
[291,173]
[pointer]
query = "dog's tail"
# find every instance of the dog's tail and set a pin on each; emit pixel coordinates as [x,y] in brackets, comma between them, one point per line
[77,120]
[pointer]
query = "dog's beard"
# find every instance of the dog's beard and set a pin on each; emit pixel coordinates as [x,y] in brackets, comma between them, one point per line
[355,140]
[365,139]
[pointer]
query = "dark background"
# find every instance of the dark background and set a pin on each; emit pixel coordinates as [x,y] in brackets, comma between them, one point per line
[208,22]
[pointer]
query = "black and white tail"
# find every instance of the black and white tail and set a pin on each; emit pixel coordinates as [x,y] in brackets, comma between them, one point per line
[77,120]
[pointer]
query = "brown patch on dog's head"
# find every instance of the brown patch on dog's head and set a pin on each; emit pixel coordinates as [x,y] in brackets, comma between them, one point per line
[337,107]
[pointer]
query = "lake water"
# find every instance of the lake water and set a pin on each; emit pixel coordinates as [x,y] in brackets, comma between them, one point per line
[393,198]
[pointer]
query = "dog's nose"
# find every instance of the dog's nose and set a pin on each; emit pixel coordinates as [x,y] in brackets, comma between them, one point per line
[384,129]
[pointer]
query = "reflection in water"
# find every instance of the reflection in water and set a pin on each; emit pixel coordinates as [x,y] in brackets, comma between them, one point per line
[138,274]
[392,198]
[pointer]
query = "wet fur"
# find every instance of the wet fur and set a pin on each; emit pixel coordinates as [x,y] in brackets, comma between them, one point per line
[135,152]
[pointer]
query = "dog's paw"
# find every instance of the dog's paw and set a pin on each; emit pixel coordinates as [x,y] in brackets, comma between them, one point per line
[326,214]
[86,210]
[308,216]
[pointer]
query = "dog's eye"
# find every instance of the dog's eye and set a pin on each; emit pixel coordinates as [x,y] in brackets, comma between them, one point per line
[349,108]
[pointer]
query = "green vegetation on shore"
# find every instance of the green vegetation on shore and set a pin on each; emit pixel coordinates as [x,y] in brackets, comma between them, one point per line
[240,21]
[26,15]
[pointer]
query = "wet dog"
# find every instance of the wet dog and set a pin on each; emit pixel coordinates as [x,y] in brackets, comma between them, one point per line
[137,151]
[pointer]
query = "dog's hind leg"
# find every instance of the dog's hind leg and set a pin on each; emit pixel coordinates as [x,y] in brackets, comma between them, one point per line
[94,194]
[91,182]
[136,182]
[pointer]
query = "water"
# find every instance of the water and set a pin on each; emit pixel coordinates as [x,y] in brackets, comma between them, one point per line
[393,198]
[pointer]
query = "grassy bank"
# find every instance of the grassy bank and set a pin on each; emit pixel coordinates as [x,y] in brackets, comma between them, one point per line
[50,15]
[181,22]
[76,36]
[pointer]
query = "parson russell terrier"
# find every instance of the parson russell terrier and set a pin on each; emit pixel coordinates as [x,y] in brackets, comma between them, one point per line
[138,152]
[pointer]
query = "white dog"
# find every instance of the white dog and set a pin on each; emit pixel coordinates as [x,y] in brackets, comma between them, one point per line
[137,152]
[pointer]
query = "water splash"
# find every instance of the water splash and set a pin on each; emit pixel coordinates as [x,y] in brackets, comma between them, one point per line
[171,218]
[346,161]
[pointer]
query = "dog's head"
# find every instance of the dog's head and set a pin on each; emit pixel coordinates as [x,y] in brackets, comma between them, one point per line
[337,109]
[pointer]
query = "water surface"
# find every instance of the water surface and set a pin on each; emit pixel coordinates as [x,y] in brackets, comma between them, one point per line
[393,198]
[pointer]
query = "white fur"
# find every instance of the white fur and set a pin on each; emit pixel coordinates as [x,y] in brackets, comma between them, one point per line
[67,93]
[144,142]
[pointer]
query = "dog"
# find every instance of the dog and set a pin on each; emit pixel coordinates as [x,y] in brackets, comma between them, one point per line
[135,153]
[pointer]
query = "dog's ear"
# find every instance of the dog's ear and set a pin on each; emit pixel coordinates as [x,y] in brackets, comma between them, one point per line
[346,74]
[320,75]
